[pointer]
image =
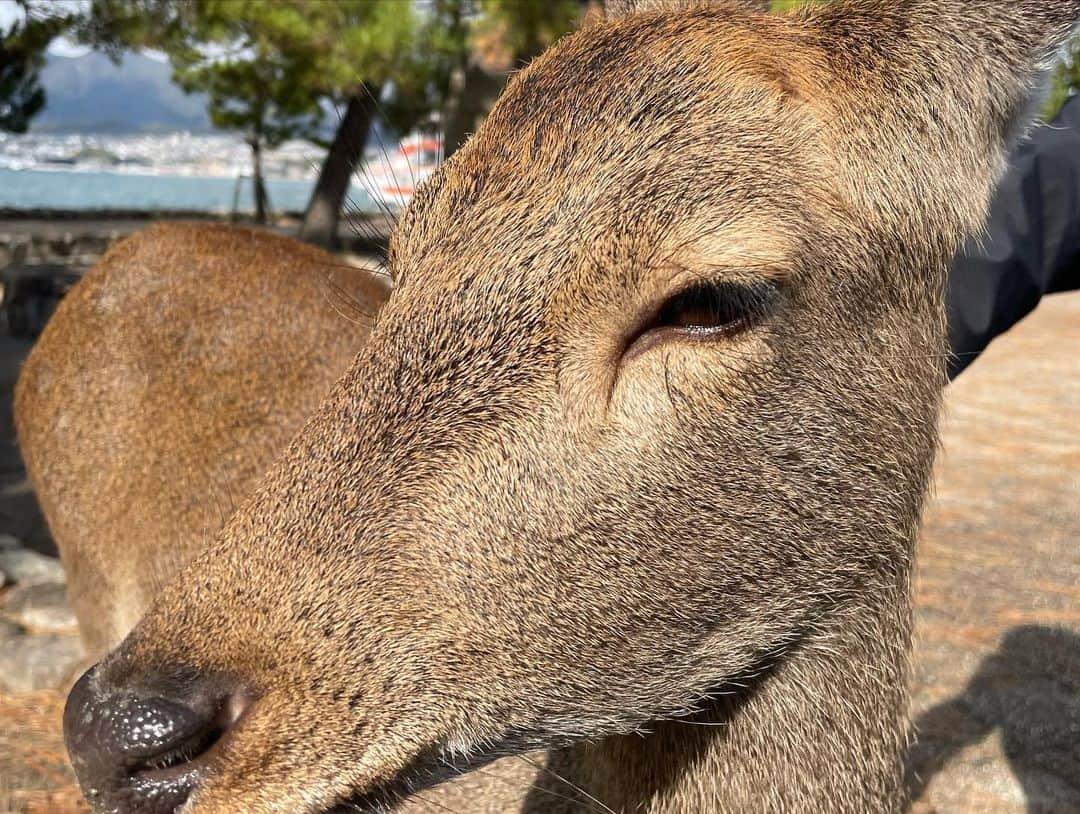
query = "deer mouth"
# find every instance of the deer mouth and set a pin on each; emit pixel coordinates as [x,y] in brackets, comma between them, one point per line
[193,756]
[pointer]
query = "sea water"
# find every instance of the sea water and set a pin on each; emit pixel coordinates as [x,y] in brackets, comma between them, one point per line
[79,189]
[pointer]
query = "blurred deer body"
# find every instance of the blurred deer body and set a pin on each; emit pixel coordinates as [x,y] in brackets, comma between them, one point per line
[628,471]
[172,376]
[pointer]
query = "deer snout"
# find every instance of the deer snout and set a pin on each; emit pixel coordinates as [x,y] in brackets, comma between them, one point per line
[145,751]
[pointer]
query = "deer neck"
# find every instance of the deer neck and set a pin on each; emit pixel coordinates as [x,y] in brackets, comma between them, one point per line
[821,730]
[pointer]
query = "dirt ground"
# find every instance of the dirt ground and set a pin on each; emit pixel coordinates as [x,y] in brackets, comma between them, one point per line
[997,662]
[997,693]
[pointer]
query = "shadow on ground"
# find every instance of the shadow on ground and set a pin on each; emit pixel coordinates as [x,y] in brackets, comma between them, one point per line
[1028,693]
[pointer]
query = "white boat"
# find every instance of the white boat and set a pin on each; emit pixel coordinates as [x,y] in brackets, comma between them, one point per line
[390,176]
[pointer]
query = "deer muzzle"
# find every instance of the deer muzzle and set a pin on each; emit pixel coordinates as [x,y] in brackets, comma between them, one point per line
[145,751]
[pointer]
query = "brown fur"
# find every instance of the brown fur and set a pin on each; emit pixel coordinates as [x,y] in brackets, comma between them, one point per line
[684,571]
[170,378]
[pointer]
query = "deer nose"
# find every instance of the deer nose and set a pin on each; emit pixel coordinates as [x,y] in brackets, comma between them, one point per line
[144,752]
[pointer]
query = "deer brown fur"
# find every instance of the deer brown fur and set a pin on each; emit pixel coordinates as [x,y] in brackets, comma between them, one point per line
[533,514]
[168,381]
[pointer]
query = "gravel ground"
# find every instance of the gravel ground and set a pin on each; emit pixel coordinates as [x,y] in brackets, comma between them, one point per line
[997,664]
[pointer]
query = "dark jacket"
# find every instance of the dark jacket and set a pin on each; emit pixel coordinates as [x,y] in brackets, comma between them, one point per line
[1031,244]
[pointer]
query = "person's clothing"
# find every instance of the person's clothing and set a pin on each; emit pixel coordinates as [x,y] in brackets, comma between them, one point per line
[1030,246]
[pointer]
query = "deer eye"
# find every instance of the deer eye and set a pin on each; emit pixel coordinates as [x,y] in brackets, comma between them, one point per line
[705,312]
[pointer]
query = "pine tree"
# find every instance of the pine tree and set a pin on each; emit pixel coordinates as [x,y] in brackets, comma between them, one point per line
[22,55]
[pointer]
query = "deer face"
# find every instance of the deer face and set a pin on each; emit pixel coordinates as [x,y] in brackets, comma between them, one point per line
[654,399]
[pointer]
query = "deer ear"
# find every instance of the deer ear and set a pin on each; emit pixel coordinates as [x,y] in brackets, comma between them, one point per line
[923,98]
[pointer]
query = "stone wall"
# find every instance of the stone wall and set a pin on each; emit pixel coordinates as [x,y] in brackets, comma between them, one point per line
[79,239]
[71,248]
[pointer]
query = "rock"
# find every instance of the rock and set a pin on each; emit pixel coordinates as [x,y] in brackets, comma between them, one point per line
[20,565]
[43,608]
[29,663]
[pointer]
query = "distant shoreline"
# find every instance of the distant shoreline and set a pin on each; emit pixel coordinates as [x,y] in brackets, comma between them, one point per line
[181,174]
[110,214]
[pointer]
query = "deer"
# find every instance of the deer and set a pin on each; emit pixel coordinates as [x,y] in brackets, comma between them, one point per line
[167,392]
[612,504]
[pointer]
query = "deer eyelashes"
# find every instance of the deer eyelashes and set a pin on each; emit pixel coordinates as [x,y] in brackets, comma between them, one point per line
[704,312]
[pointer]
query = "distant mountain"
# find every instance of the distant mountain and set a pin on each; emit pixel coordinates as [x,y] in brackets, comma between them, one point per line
[89,94]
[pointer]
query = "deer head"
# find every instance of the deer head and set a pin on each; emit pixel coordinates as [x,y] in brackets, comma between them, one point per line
[650,412]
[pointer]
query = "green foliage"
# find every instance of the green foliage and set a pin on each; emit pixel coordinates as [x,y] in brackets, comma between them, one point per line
[232,50]
[780,6]
[217,47]
[22,55]
[267,66]
[417,72]
[448,31]
[1066,80]
[114,26]
[527,26]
